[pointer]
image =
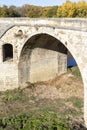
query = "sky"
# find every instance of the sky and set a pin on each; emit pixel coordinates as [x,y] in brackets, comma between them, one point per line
[33,2]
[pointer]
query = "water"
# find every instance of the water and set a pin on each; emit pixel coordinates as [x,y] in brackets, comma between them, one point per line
[71,62]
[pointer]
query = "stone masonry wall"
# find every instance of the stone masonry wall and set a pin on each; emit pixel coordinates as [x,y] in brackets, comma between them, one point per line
[44,64]
[72,33]
[41,66]
[8,76]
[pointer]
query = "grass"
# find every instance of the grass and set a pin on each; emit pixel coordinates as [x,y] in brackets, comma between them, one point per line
[77,102]
[40,114]
[21,110]
[13,95]
[75,71]
[17,102]
[37,121]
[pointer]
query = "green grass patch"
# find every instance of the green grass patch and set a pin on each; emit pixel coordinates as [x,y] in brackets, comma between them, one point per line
[77,102]
[75,71]
[13,95]
[37,121]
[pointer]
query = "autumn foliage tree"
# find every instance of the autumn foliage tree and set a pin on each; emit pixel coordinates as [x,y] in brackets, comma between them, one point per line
[81,9]
[72,9]
[67,9]
[33,11]
[8,12]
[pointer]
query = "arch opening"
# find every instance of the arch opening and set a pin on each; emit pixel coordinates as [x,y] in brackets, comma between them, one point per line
[44,46]
[43,57]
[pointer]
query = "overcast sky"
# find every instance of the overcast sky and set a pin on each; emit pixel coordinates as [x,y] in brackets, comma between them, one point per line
[33,2]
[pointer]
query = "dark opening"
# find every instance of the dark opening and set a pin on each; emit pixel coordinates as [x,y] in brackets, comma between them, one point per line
[7,52]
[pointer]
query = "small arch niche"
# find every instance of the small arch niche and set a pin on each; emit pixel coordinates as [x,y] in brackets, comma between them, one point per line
[19,33]
[7,52]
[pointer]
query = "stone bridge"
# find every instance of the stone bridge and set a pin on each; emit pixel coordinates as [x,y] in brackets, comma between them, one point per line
[34,50]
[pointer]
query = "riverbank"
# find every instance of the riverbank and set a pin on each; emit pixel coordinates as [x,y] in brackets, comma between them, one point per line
[43,105]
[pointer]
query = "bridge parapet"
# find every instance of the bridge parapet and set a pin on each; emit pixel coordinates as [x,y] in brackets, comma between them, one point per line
[64,22]
[78,24]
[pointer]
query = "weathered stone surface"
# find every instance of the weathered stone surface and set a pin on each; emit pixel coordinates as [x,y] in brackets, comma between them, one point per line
[39,52]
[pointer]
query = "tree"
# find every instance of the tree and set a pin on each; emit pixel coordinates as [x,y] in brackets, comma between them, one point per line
[13,13]
[8,12]
[33,12]
[4,11]
[81,9]
[68,9]
[52,12]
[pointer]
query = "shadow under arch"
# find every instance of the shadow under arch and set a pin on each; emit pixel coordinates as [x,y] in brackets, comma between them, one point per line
[41,50]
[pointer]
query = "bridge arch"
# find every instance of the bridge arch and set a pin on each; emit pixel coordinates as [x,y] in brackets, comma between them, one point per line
[59,35]
[25,65]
